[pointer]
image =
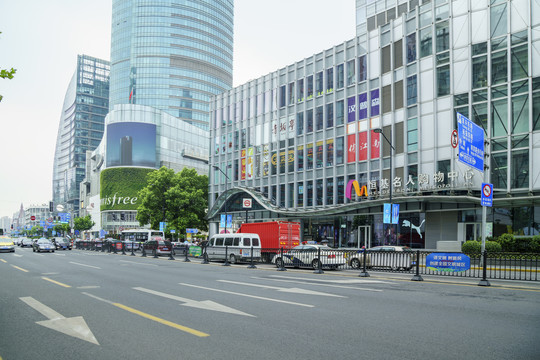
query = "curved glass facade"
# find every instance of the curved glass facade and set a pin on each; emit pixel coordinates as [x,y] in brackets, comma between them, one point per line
[81,128]
[172,55]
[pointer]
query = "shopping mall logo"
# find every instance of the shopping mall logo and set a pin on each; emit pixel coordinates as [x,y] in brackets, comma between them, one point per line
[359,190]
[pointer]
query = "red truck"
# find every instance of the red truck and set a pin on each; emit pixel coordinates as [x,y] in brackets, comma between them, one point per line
[274,235]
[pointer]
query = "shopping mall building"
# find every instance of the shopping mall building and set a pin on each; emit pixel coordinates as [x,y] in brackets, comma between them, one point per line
[327,140]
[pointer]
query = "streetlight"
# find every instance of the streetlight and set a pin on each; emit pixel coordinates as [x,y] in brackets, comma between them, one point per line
[218,168]
[380,131]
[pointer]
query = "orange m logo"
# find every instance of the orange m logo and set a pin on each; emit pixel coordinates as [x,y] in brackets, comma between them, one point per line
[359,191]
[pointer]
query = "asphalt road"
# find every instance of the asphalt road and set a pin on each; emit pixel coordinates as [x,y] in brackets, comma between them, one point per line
[91,305]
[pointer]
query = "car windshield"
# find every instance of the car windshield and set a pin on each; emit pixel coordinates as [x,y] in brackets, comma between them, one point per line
[44,242]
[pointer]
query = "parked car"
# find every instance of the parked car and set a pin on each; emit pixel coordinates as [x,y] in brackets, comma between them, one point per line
[385,256]
[61,243]
[308,256]
[43,244]
[27,242]
[6,244]
[161,247]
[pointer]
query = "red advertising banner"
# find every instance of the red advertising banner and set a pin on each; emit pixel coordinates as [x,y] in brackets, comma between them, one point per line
[351,151]
[243,174]
[362,146]
[375,145]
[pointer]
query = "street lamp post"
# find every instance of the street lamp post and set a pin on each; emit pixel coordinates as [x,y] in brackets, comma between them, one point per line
[380,131]
[218,168]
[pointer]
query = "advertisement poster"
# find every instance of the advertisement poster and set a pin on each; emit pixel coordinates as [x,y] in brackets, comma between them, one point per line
[362,106]
[375,102]
[362,146]
[351,109]
[131,144]
[250,163]
[351,151]
[375,145]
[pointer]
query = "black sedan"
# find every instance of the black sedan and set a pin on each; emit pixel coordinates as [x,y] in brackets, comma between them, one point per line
[43,244]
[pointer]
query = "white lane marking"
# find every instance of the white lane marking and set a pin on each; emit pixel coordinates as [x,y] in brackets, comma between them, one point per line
[89,287]
[137,263]
[59,254]
[98,298]
[336,281]
[74,326]
[315,284]
[50,273]
[250,296]
[17,255]
[90,266]
[283,289]
[205,304]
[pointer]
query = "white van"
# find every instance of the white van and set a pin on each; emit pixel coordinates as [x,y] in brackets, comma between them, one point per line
[238,247]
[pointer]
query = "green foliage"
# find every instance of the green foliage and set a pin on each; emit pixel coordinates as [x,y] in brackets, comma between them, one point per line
[506,241]
[493,246]
[471,247]
[121,183]
[6,74]
[180,199]
[83,223]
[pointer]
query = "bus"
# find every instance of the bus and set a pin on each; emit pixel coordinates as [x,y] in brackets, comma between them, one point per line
[136,237]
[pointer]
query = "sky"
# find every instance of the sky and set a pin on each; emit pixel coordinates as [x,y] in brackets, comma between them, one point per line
[41,39]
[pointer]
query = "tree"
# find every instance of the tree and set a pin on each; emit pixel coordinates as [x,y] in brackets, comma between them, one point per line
[63,228]
[83,223]
[179,199]
[6,74]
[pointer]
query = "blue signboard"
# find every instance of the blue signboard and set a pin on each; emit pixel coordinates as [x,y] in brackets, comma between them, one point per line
[471,143]
[487,194]
[386,214]
[452,262]
[162,226]
[229,221]
[395,213]
[222,221]
[192,231]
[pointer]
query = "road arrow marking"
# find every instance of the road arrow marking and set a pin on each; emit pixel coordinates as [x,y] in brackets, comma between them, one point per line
[74,326]
[282,289]
[205,305]
[247,295]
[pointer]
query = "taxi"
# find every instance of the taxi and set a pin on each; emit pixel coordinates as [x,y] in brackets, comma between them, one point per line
[6,244]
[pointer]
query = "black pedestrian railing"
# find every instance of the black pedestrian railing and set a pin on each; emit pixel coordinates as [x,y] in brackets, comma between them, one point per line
[486,266]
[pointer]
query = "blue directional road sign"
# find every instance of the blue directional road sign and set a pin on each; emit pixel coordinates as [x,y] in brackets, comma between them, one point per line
[471,143]
[487,194]
[192,231]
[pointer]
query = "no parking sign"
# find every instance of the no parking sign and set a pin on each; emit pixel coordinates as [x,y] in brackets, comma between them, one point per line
[487,194]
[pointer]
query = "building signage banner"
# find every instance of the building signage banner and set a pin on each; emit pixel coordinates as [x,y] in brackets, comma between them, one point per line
[351,109]
[351,152]
[250,163]
[451,262]
[471,143]
[362,106]
[119,187]
[375,145]
[375,102]
[362,146]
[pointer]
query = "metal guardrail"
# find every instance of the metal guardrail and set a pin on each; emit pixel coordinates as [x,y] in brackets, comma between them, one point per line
[504,266]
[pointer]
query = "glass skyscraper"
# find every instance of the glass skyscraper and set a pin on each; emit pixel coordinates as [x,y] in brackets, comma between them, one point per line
[81,128]
[172,55]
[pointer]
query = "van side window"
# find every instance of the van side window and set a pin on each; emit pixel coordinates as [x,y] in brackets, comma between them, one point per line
[219,242]
[211,242]
[228,241]
[236,241]
[255,242]
[247,242]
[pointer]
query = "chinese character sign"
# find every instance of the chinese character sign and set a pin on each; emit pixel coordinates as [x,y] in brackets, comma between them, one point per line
[375,102]
[471,143]
[362,106]
[351,109]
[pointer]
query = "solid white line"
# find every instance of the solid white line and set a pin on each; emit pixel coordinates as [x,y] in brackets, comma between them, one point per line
[283,289]
[250,296]
[90,266]
[98,298]
[89,287]
[315,284]
[137,263]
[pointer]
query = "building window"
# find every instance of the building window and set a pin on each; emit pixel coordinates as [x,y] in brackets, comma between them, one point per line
[300,90]
[340,112]
[386,99]
[520,114]
[350,72]
[386,59]
[340,141]
[362,68]
[329,115]
[340,190]
[398,94]
[309,156]
[499,67]
[319,189]
[412,135]
[300,194]
[520,169]
[398,54]
[282,95]
[330,191]
[300,123]
[309,121]
[443,80]
[499,171]
[329,152]
[411,48]
[290,160]
[291,94]
[329,80]
[499,118]
[300,157]
[340,76]
[282,195]
[319,83]
[412,91]
[498,20]
[319,118]
[479,71]
[309,87]
[309,194]
[520,62]
[320,154]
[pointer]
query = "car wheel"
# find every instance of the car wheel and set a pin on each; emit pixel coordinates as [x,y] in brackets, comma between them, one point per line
[279,263]
[355,263]
[315,264]
[53,251]
[232,259]
[33,250]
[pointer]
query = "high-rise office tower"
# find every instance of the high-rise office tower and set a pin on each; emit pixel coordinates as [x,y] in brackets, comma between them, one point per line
[81,128]
[171,55]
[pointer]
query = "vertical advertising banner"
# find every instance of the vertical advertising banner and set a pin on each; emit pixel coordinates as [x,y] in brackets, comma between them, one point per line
[351,151]
[250,163]
[362,146]
[243,165]
[375,145]
[375,102]
[362,106]
[351,109]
